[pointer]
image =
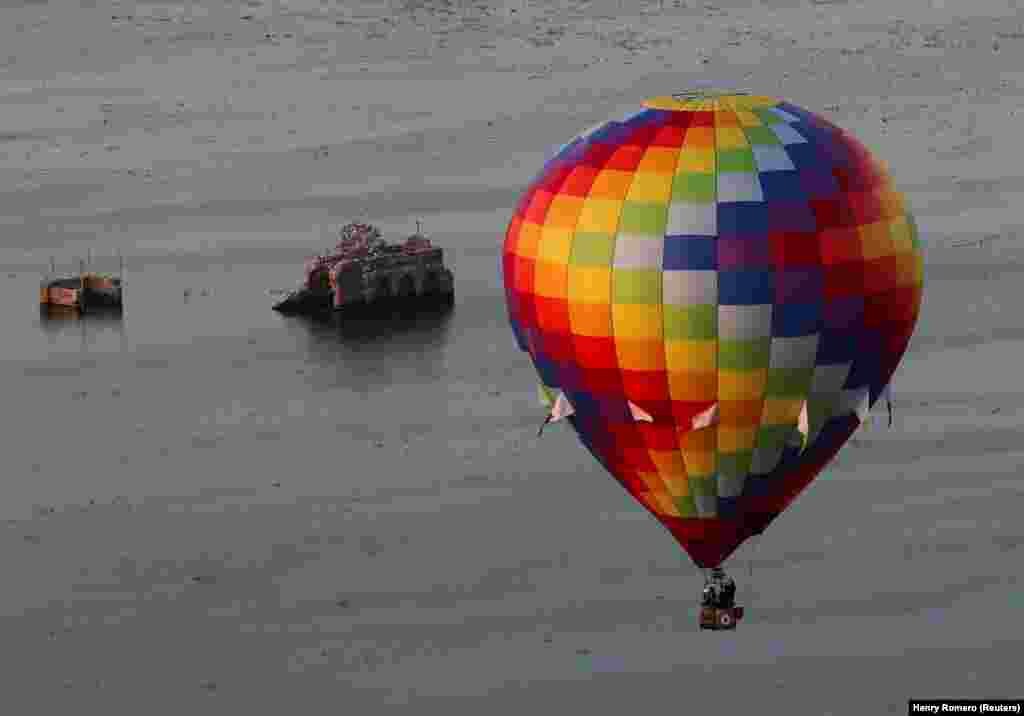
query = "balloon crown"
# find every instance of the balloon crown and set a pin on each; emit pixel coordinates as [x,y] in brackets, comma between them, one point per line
[700,93]
[706,98]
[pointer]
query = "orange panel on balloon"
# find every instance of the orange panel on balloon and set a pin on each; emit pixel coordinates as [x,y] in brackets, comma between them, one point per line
[527,241]
[591,319]
[705,440]
[611,184]
[668,462]
[550,280]
[641,354]
[693,386]
[740,413]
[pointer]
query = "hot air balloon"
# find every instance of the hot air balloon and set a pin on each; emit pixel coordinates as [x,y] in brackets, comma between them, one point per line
[713,290]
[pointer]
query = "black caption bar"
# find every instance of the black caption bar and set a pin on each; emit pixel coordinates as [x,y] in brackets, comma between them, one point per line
[917,707]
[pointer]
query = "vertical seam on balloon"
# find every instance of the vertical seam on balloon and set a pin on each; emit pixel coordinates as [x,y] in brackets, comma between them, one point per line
[572,248]
[717,427]
[540,239]
[771,318]
[820,323]
[664,338]
[690,110]
[611,286]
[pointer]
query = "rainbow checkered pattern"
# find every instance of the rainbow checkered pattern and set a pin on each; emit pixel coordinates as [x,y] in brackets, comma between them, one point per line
[713,247]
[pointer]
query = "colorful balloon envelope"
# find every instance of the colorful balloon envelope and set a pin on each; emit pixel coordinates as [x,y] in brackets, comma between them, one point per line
[718,287]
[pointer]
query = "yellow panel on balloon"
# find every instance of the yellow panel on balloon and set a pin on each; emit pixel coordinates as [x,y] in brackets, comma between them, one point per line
[555,245]
[635,320]
[742,385]
[917,269]
[899,232]
[691,356]
[700,463]
[599,216]
[781,411]
[677,485]
[748,118]
[750,101]
[650,188]
[696,160]
[736,439]
[893,203]
[730,138]
[640,353]
[590,284]
[666,506]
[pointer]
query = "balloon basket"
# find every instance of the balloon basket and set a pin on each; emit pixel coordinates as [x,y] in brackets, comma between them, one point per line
[720,619]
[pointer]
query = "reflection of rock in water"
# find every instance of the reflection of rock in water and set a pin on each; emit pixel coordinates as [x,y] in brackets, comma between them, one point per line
[385,323]
[380,346]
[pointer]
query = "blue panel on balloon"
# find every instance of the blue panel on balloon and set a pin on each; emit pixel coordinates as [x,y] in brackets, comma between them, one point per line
[575,152]
[570,377]
[583,402]
[798,112]
[790,320]
[610,133]
[782,186]
[657,116]
[690,253]
[519,336]
[864,371]
[743,218]
[808,156]
[836,347]
[640,119]
[746,287]
[759,485]
[547,369]
[728,508]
